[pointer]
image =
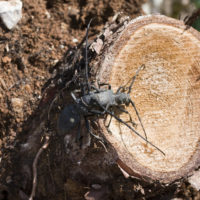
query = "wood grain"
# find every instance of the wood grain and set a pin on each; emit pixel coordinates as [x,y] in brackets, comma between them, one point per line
[166,94]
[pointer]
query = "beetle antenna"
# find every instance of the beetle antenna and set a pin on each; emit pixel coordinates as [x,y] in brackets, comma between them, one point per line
[86,56]
[120,120]
[134,77]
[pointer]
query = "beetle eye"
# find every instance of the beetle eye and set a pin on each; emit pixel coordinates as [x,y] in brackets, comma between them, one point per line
[127,101]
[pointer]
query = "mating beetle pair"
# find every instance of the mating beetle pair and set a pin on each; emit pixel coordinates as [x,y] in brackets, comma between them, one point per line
[96,101]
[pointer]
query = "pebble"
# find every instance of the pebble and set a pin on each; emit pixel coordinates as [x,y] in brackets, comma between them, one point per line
[74,40]
[47,14]
[194,180]
[10,12]
[17,104]
[3,84]
[6,59]
[96,186]
[27,88]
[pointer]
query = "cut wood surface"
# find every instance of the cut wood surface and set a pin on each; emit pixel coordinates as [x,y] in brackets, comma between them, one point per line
[166,94]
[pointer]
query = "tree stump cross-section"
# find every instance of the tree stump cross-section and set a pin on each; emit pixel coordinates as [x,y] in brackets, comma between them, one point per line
[166,94]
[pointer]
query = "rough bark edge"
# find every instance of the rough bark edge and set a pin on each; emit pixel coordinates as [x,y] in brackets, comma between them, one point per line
[132,167]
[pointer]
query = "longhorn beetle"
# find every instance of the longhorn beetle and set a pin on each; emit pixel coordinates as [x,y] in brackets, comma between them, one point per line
[97,101]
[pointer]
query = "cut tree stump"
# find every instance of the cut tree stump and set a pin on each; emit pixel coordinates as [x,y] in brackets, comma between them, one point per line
[166,94]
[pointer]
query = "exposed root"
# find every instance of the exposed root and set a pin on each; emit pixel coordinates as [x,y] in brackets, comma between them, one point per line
[44,146]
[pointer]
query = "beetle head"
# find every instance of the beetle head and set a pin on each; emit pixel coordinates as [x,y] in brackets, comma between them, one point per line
[122,98]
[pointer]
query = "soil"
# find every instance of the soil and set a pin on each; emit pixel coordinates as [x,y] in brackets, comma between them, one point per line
[28,56]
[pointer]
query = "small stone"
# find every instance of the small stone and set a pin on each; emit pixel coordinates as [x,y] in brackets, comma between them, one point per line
[55,61]
[6,59]
[28,89]
[17,104]
[3,84]
[13,133]
[102,193]
[7,48]
[47,14]
[194,180]
[62,46]
[8,179]
[37,84]
[97,46]
[72,11]
[96,186]
[63,26]
[74,40]
[10,12]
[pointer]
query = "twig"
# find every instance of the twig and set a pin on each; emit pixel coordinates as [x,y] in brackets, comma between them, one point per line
[44,146]
[190,20]
[103,146]
[17,83]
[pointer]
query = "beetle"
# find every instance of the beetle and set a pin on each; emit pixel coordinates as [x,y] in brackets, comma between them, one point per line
[98,102]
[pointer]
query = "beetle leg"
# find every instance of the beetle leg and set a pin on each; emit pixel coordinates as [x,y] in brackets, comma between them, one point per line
[74,97]
[97,90]
[125,111]
[83,89]
[89,130]
[137,113]
[97,112]
[78,136]
[120,88]
[102,84]
[109,122]
[130,118]
[100,112]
